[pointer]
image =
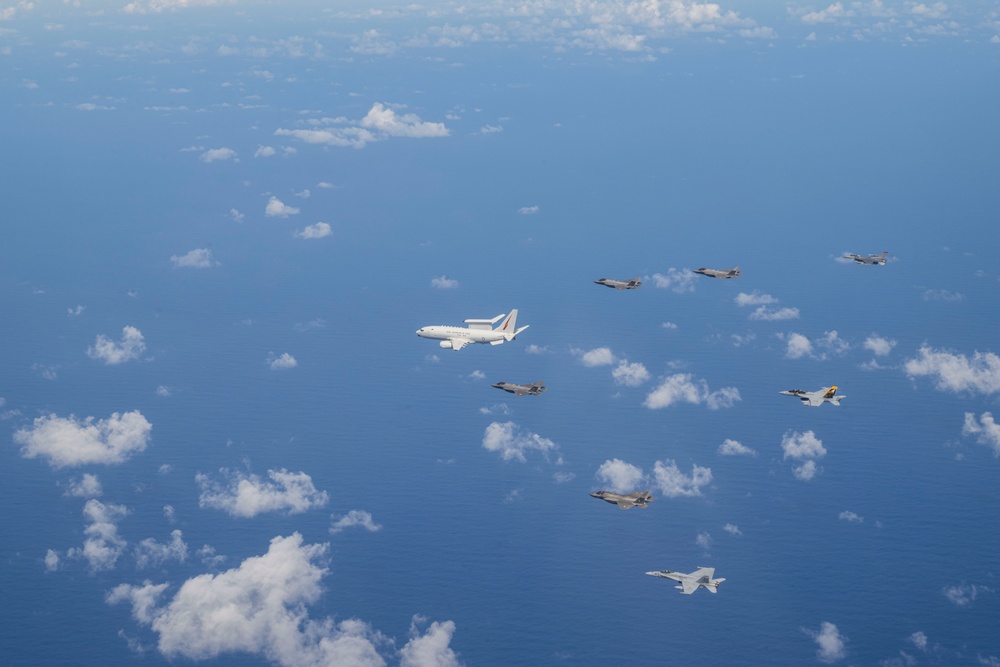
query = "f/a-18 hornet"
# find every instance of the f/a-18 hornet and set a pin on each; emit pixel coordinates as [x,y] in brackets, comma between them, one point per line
[478,331]
[619,284]
[824,395]
[689,583]
[869,259]
[625,500]
[717,273]
[533,389]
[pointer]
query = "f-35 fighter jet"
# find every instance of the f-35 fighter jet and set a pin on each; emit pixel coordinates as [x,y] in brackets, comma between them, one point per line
[689,583]
[619,284]
[824,395]
[869,259]
[533,389]
[626,500]
[716,273]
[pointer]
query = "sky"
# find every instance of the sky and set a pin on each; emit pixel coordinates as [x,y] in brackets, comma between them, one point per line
[224,222]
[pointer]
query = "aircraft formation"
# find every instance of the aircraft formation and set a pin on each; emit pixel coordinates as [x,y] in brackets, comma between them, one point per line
[482,331]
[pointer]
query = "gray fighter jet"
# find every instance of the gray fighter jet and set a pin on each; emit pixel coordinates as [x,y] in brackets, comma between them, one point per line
[716,273]
[625,500]
[814,398]
[533,389]
[619,284]
[689,583]
[869,259]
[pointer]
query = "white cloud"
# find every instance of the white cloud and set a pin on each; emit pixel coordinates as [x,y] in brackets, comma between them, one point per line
[765,314]
[804,447]
[599,356]
[670,326]
[832,645]
[69,442]
[317,231]
[103,545]
[354,518]
[219,154]
[265,151]
[87,486]
[941,295]
[834,11]
[673,483]
[159,6]
[732,529]
[247,495]
[163,391]
[260,608]
[236,215]
[850,517]
[919,639]
[491,129]
[199,258]
[630,374]
[276,208]
[512,443]
[444,282]
[563,476]
[682,388]
[619,476]
[51,560]
[879,346]
[131,346]
[380,123]
[536,349]
[986,430]
[703,540]
[805,471]
[957,372]
[677,280]
[150,553]
[477,375]
[528,210]
[964,594]
[75,312]
[282,362]
[754,299]
[798,346]
[735,448]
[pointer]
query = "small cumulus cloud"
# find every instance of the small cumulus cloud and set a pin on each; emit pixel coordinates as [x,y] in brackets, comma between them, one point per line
[131,346]
[265,151]
[754,299]
[69,442]
[986,430]
[528,210]
[246,495]
[850,517]
[805,448]
[630,374]
[765,314]
[218,155]
[619,476]
[683,388]
[87,486]
[832,645]
[536,349]
[669,326]
[444,282]
[316,231]
[963,595]
[674,484]
[491,129]
[703,540]
[282,362]
[732,529]
[380,123]
[150,553]
[512,443]
[236,215]
[878,345]
[942,295]
[799,346]
[676,280]
[276,208]
[163,391]
[354,518]
[599,356]
[735,448]
[199,258]
[75,312]
[102,545]
[957,372]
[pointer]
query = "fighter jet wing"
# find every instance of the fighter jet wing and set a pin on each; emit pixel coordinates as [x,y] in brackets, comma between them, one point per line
[689,586]
[458,343]
[624,504]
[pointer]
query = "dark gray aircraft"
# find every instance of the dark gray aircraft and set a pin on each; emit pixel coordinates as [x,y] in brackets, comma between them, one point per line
[625,500]
[869,259]
[716,273]
[533,389]
[619,284]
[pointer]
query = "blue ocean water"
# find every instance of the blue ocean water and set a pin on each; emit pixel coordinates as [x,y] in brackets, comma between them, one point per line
[776,158]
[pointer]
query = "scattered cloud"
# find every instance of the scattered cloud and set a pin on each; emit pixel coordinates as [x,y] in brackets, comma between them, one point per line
[630,374]
[491,129]
[599,356]
[87,486]
[70,442]
[260,609]
[676,280]
[132,345]
[986,430]
[276,208]
[963,595]
[380,123]
[619,476]
[879,346]
[219,154]
[957,372]
[683,388]
[444,282]
[75,312]
[919,639]
[832,645]
[673,483]
[670,326]
[941,295]
[199,258]
[246,495]
[316,231]
[703,540]
[804,447]
[765,314]
[732,529]
[563,476]
[52,560]
[850,517]
[754,299]
[512,443]
[163,391]
[354,518]
[160,6]
[799,346]
[282,362]
[236,215]
[103,545]
[528,210]
[265,151]
[735,448]
[536,349]
[150,553]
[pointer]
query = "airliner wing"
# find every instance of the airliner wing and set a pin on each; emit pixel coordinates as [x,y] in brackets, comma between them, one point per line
[458,343]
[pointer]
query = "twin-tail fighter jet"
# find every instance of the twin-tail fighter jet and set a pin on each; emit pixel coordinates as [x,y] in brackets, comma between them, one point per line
[625,500]
[619,284]
[478,331]
[533,389]
[814,398]
[717,273]
[869,259]
[689,583]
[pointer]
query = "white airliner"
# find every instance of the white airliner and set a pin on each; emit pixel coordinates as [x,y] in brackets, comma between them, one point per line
[478,331]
